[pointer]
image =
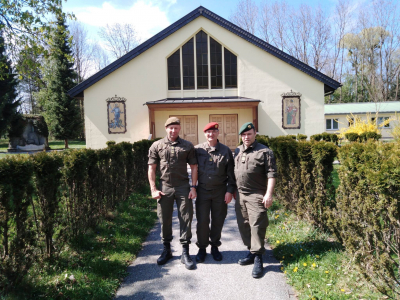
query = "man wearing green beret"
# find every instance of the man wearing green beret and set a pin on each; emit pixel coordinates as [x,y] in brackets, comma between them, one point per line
[255,171]
[173,154]
[214,191]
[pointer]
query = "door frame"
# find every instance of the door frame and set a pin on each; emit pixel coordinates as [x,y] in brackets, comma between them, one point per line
[237,121]
[197,121]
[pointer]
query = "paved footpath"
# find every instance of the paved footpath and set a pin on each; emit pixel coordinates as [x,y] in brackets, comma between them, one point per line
[209,280]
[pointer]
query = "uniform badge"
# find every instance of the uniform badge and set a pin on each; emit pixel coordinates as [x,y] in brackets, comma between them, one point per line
[210,159]
[216,126]
[248,126]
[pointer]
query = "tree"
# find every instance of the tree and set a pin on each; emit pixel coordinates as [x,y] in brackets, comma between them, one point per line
[246,15]
[8,90]
[25,22]
[83,51]
[30,80]
[61,111]
[119,38]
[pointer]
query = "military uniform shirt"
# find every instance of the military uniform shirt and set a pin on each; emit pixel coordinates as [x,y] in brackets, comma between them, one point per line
[253,167]
[215,167]
[173,157]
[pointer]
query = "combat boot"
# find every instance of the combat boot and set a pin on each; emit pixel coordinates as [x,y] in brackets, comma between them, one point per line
[215,253]
[258,269]
[185,258]
[201,255]
[248,260]
[165,255]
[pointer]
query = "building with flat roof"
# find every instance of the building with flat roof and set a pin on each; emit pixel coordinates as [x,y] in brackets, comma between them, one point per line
[336,114]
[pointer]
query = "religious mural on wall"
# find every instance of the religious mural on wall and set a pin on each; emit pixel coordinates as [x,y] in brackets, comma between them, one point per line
[116,113]
[291,110]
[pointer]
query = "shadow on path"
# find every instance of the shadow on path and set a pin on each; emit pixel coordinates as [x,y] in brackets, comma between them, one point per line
[210,280]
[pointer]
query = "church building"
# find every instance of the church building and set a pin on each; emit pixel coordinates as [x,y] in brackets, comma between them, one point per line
[202,69]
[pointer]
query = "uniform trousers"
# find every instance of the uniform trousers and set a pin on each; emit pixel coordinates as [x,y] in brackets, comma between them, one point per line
[252,220]
[210,201]
[165,208]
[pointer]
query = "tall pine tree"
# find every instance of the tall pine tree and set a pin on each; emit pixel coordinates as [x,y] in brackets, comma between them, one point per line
[8,90]
[61,110]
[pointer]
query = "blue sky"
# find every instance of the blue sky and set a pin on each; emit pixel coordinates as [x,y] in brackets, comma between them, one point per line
[151,16]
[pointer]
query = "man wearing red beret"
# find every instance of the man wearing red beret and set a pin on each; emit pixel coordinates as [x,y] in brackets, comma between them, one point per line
[214,191]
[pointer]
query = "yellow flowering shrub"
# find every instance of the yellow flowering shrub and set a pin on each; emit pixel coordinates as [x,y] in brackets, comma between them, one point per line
[395,132]
[359,126]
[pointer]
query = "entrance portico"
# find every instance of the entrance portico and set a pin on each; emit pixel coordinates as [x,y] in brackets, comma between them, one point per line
[195,113]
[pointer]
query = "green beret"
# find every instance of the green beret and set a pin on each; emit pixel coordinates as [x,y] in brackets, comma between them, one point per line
[172,121]
[246,127]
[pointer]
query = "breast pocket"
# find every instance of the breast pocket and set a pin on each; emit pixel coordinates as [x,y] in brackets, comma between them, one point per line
[162,153]
[256,162]
[221,162]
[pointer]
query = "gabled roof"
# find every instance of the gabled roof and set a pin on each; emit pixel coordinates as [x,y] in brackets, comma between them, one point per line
[330,84]
[362,108]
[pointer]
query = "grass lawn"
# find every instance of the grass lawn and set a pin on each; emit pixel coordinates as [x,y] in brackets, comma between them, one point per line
[314,263]
[93,266]
[54,145]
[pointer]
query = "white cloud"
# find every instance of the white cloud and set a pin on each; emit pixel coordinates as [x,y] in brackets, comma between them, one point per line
[146,16]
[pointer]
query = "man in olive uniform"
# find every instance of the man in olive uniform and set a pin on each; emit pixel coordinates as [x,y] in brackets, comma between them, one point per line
[255,171]
[214,191]
[173,154]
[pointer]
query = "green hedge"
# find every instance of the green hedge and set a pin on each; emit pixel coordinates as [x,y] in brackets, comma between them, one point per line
[367,213]
[304,182]
[49,198]
[364,211]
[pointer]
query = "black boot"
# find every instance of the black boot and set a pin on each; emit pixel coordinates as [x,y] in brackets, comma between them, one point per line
[201,255]
[165,255]
[248,260]
[258,269]
[215,253]
[185,258]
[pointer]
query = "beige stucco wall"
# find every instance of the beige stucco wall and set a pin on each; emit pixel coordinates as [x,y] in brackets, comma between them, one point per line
[343,122]
[260,76]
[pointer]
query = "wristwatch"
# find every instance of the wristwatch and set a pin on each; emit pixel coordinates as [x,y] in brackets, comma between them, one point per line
[193,186]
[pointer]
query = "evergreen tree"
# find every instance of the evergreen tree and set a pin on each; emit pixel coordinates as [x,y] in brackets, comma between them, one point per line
[61,111]
[8,90]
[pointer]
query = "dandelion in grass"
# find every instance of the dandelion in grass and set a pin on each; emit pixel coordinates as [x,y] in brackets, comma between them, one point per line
[282,268]
[317,256]
[314,265]
[295,269]
[326,272]
[305,264]
[342,290]
[283,256]
[277,242]
[301,249]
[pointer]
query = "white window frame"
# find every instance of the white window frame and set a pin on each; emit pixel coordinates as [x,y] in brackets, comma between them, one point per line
[331,120]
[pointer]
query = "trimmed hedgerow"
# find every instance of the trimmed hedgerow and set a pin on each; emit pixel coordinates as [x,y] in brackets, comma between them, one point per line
[73,191]
[304,182]
[367,213]
[17,235]
[301,137]
[47,179]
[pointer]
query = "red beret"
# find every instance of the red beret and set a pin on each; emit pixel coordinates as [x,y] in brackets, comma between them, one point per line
[210,126]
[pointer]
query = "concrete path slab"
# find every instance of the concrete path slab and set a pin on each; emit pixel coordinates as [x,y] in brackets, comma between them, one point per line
[209,280]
